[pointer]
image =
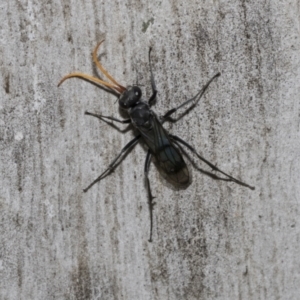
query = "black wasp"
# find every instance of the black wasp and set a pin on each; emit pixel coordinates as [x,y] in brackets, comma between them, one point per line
[162,145]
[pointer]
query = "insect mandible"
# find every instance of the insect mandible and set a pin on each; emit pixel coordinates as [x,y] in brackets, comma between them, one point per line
[165,147]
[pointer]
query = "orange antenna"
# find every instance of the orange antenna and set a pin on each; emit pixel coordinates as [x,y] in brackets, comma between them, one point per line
[98,64]
[113,85]
[87,77]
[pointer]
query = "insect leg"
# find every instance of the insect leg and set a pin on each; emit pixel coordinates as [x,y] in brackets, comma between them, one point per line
[153,85]
[179,140]
[151,204]
[115,162]
[195,99]
[109,118]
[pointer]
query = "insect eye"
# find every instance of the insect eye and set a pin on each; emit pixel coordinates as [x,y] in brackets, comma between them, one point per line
[123,100]
[137,92]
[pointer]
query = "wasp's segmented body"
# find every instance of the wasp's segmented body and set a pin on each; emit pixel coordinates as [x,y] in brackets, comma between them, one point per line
[162,145]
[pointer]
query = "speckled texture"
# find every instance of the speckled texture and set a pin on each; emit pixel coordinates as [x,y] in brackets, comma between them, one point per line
[213,240]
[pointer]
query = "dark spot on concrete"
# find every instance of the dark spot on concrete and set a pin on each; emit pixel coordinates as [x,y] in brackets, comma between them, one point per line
[62,119]
[202,34]
[19,160]
[217,56]
[222,15]
[66,11]
[82,280]
[20,273]
[146,24]
[246,271]
[7,84]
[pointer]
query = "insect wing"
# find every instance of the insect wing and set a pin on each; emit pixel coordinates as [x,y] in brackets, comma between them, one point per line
[167,154]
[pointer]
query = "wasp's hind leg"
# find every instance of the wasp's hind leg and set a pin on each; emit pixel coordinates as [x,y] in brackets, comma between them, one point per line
[115,162]
[126,121]
[151,204]
[179,140]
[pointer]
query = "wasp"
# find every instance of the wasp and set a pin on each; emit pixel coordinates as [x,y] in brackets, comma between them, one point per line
[166,148]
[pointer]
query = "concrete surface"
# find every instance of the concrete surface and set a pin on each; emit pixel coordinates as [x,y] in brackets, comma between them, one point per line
[213,240]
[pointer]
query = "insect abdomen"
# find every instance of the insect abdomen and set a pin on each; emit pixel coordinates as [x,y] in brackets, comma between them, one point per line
[172,163]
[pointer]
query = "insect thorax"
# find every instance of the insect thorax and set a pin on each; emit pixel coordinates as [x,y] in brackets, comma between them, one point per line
[141,115]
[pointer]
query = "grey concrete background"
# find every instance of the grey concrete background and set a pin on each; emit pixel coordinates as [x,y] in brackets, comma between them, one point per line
[213,240]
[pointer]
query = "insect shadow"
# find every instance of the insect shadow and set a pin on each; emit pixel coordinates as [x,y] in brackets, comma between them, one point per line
[164,147]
